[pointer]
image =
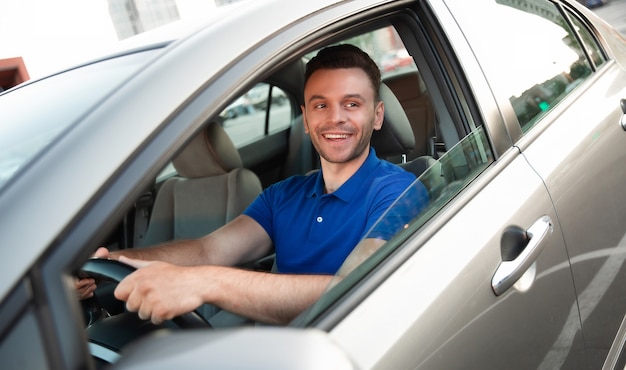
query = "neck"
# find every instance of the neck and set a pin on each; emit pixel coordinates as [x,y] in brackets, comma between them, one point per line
[336,174]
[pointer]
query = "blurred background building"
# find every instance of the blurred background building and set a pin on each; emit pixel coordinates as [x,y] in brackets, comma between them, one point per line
[12,72]
[38,37]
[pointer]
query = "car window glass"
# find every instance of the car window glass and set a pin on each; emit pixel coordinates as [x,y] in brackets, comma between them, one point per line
[249,117]
[591,44]
[538,59]
[22,137]
[443,181]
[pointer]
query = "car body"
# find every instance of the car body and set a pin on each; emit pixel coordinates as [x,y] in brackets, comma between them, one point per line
[517,262]
[593,3]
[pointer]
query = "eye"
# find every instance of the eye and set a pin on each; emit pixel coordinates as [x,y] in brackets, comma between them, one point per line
[352,104]
[319,106]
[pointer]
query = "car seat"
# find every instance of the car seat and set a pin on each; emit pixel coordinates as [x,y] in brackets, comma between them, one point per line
[411,92]
[211,189]
[396,137]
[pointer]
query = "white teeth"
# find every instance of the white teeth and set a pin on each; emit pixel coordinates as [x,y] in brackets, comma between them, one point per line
[335,136]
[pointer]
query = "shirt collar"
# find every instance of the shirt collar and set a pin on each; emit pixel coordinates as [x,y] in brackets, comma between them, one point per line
[347,190]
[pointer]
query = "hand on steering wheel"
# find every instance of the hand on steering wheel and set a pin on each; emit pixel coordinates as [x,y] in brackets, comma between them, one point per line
[116,271]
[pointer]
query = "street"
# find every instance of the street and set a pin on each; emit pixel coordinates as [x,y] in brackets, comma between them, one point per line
[614,12]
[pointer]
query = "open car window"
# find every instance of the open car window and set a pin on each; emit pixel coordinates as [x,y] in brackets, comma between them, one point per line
[444,180]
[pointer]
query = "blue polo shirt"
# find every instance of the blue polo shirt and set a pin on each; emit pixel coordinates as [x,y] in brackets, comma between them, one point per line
[314,232]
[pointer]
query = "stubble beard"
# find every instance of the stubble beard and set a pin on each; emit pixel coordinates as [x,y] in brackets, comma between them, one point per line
[362,145]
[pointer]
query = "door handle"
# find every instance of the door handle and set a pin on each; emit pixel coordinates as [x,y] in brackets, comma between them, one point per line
[531,243]
[622,121]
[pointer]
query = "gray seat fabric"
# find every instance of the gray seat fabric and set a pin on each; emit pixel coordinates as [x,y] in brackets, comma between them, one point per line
[396,137]
[413,96]
[211,189]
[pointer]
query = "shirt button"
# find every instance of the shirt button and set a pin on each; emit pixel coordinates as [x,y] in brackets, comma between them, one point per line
[319,219]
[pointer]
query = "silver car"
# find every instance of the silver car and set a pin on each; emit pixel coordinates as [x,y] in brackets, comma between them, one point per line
[513,115]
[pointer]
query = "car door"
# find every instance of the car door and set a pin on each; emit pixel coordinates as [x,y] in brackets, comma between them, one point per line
[577,147]
[480,279]
[570,134]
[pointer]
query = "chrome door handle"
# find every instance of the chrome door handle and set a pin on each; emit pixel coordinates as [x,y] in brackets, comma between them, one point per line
[509,272]
[622,121]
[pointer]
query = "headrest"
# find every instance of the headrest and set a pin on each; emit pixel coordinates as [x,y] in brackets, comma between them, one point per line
[209,153]
[408,85]
[396,135]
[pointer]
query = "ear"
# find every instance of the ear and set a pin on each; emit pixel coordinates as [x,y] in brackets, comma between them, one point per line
[379,112]
[306,126]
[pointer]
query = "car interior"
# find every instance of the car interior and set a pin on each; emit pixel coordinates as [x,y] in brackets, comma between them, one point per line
[257,140]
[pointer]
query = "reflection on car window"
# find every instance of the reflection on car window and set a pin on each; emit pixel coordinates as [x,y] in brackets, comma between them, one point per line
[538,59]
[250,117]
[443,180]
[591,43]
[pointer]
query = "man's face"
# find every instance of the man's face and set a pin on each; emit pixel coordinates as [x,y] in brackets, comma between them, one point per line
[340,113]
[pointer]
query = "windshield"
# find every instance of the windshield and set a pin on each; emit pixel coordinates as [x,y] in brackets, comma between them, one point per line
[34,115]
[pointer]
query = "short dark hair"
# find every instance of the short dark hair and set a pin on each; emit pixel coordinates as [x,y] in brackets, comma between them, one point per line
[345,56]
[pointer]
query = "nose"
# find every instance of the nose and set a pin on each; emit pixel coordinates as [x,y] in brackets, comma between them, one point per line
[336,114]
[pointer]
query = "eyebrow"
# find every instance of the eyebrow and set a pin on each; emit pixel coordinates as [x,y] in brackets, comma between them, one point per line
[347,96]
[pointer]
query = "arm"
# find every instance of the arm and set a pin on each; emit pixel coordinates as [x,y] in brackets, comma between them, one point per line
[241,240]
[160,291]
[361,252]
[187,276]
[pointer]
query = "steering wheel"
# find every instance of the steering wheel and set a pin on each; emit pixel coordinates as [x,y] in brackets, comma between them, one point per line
[108,335]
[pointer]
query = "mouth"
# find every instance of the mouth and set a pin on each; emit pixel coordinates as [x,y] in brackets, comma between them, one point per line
[336,136]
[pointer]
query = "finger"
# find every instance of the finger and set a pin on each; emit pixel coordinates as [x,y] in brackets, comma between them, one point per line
[144,315]
[85,293]
[82,283]
[101,252]
[133,262]
[84,287]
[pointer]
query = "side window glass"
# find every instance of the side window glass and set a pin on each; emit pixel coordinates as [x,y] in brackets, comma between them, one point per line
[591,45]
[263,110]
[442,181]
[535,68]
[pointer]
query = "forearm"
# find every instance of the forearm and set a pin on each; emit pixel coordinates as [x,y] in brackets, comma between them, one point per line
[241,240]
[181,252]
[265,297]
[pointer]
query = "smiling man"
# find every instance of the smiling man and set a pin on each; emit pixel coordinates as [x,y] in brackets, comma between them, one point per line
[312,222]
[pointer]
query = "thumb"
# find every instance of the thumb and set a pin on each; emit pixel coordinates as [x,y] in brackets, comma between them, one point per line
[101,252]
[133,262]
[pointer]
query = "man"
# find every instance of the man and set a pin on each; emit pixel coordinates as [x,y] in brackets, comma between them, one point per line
[312,222]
